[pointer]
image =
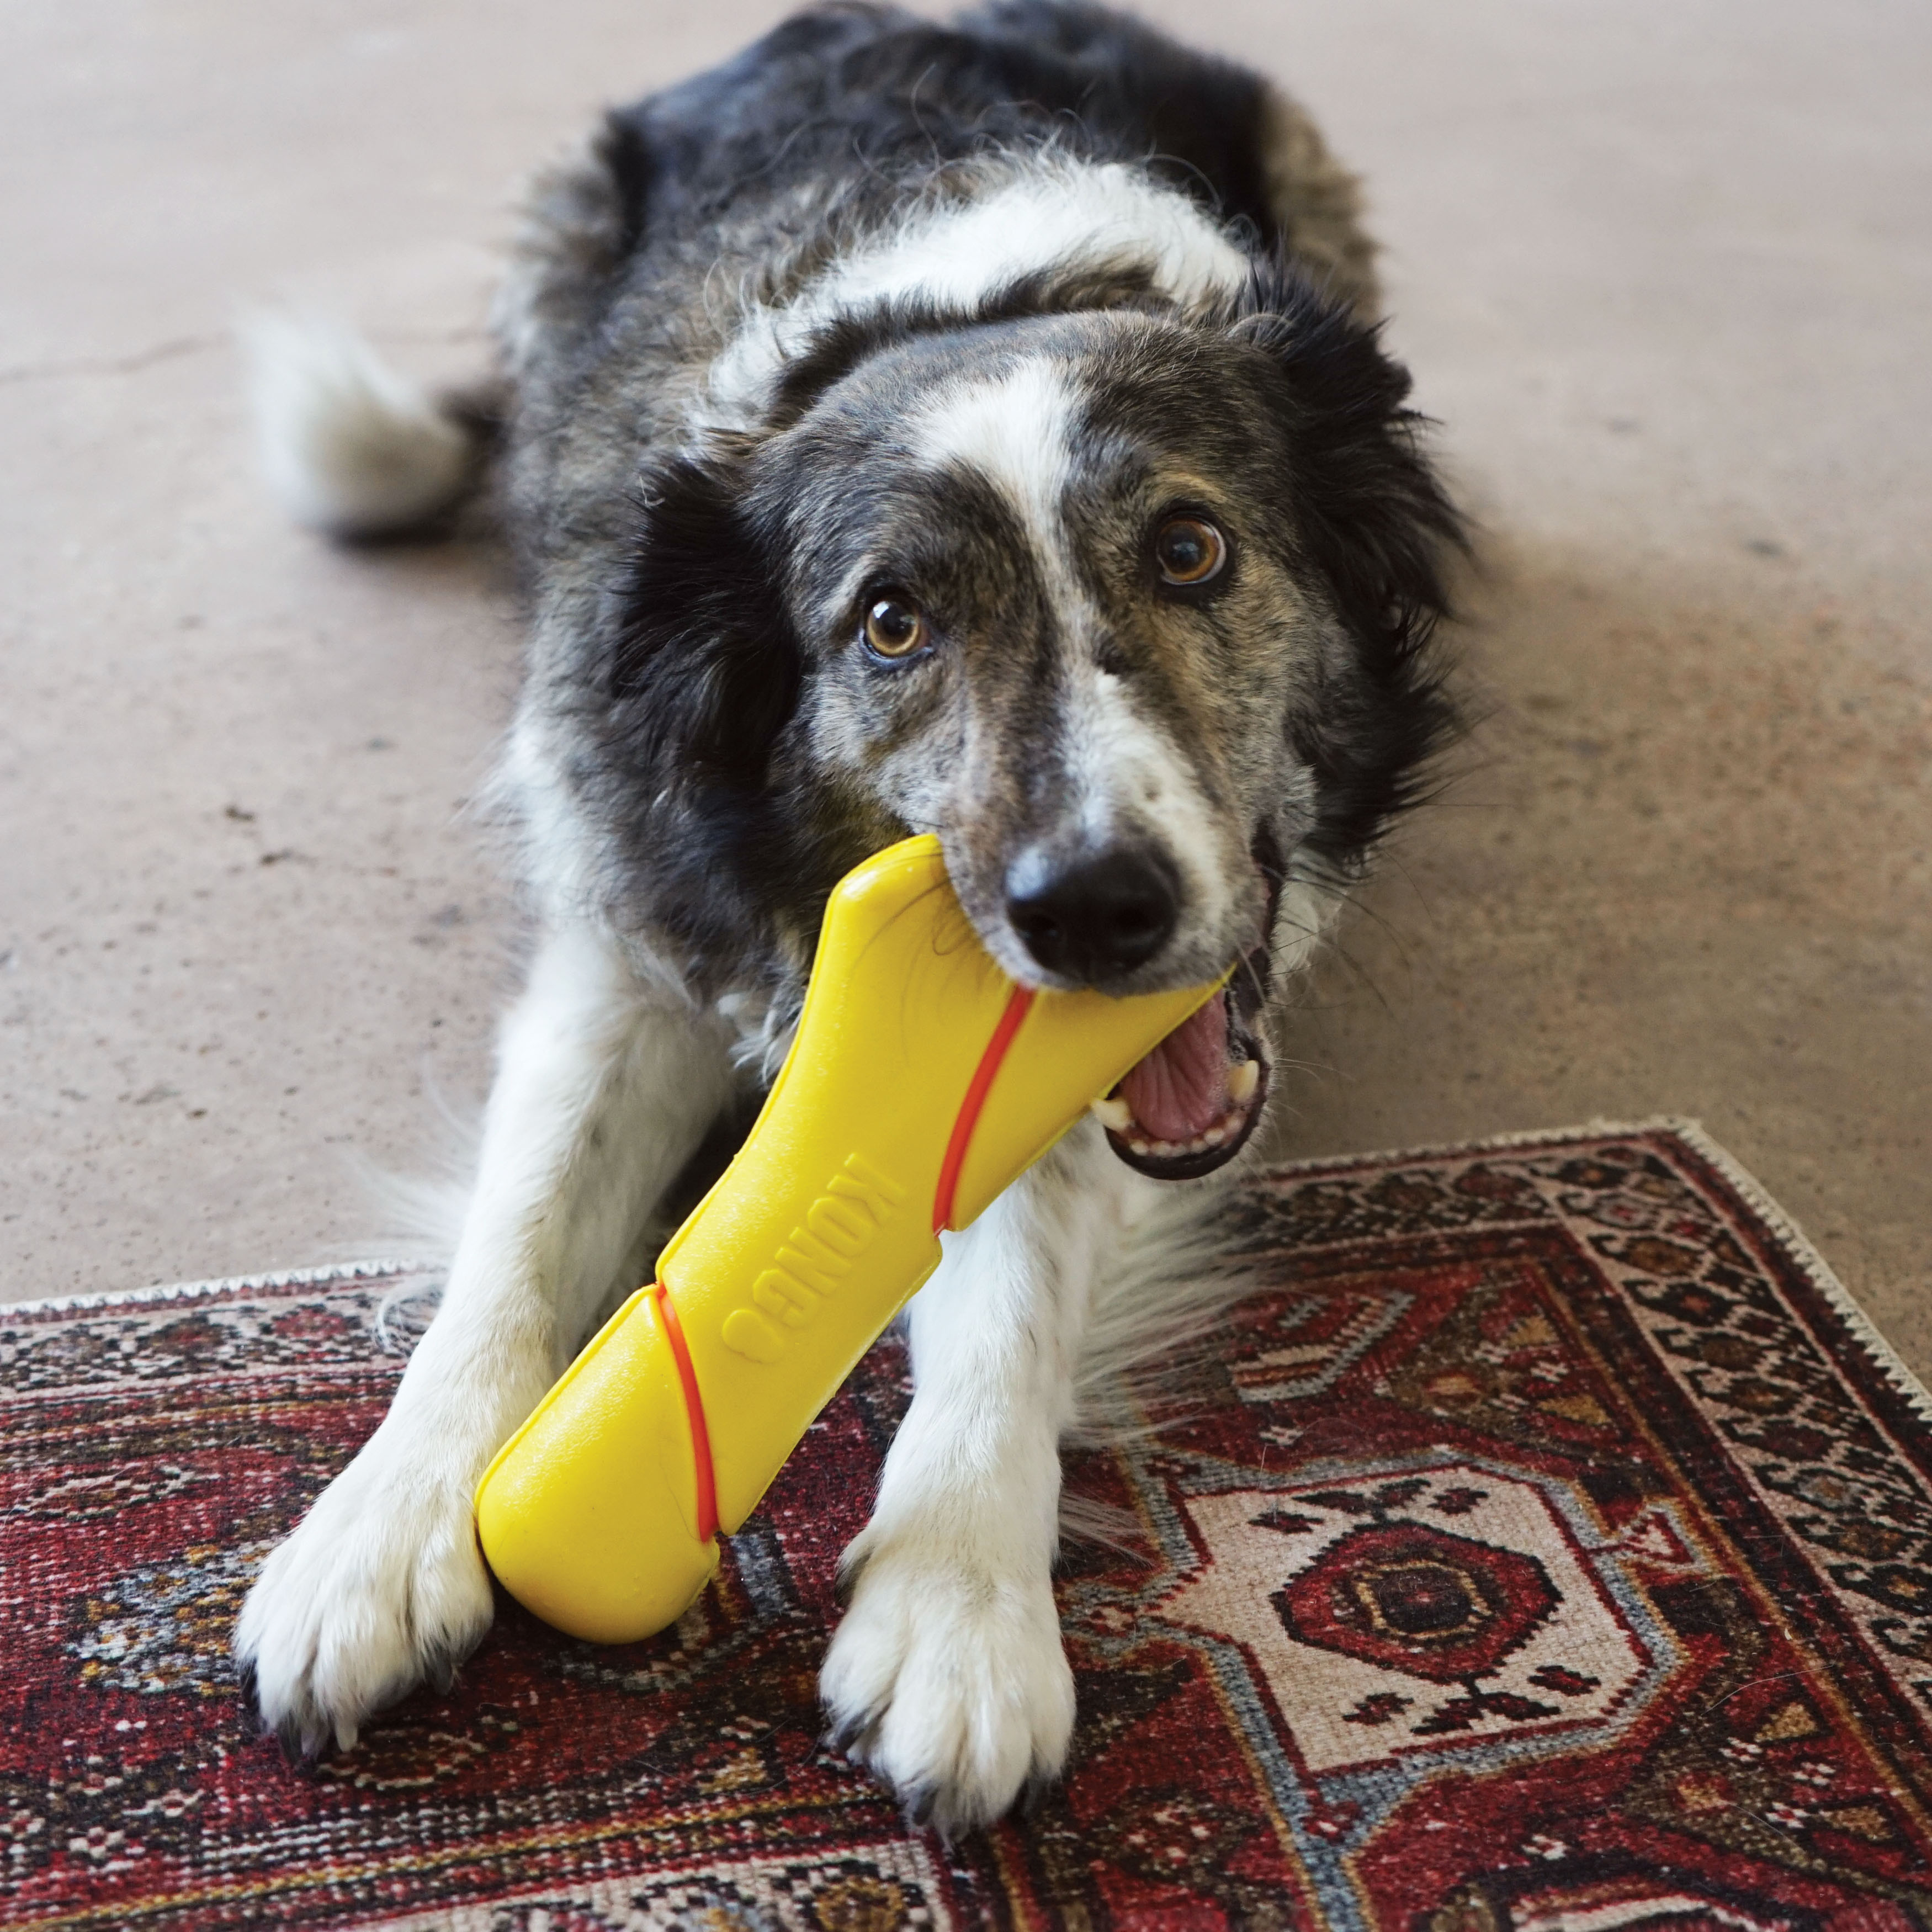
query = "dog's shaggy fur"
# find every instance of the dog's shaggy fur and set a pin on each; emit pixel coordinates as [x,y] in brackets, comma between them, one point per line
[977,430]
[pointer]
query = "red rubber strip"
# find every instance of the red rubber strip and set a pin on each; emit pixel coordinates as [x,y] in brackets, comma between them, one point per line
[969,1108]
[693,1410]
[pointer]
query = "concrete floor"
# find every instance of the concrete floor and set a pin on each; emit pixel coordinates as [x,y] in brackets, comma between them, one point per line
[1662,268]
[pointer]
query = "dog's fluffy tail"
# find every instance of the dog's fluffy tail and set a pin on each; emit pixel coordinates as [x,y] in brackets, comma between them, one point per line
[351,447]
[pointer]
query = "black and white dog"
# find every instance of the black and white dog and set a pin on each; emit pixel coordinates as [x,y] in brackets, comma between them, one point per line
[978,429]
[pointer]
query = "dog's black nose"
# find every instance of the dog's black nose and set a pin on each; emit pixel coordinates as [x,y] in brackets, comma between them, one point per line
[1095,918]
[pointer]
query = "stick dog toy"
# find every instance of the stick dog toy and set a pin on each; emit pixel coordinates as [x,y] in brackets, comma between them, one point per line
[921,1082]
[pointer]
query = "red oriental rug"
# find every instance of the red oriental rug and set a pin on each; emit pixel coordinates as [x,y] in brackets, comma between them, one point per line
[1551,1549]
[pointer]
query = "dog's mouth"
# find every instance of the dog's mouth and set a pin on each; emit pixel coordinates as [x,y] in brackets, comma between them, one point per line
[1190,1106]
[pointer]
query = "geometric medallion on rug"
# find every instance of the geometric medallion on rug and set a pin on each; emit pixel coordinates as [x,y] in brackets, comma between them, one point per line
[1548,1546]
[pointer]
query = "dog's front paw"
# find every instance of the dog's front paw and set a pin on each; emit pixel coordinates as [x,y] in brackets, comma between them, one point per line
[380,1587]
[949,1681]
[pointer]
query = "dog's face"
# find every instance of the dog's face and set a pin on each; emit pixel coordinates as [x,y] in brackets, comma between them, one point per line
[1100,600]
[1041,576]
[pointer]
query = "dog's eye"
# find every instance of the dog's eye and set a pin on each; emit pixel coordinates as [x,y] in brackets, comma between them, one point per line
[895,627]
[1188,550]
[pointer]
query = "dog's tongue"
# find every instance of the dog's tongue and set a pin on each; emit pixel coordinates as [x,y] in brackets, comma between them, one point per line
[1181,1089]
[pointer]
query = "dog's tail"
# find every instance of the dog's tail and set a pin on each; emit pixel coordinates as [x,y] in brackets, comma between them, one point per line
[351,447]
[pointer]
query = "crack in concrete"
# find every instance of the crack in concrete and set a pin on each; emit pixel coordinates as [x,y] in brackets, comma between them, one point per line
[112,365]
[194,345]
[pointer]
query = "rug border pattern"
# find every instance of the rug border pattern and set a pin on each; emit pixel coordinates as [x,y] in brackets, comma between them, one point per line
[1797,1245]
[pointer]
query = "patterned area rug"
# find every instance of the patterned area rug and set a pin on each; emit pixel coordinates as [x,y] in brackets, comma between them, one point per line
[1551,1549]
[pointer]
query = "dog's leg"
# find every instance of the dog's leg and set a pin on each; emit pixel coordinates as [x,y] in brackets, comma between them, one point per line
[947,1675]
[604,1086]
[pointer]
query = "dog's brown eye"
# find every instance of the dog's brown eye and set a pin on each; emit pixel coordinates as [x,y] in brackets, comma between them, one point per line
[1188,550]
[895,628]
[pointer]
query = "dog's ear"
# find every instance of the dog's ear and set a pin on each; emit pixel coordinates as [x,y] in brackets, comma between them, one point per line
[682,705]
[705,670]
[1376,524]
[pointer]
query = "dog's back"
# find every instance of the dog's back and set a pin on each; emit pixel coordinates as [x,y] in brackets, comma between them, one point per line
[852,94]
[839,115]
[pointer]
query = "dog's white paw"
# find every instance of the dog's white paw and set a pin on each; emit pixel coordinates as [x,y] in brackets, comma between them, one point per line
[949,1681]
[380,1587]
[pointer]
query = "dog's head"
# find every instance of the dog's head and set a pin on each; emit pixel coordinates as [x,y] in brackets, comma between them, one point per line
[1128,609]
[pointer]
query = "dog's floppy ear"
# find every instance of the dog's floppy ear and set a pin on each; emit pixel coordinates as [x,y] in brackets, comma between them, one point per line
[1376,524]
[697,675]
[705,670]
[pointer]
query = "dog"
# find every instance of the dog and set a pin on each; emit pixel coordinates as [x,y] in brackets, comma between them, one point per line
[978,429]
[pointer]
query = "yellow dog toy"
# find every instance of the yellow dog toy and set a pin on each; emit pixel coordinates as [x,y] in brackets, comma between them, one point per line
[922,1081]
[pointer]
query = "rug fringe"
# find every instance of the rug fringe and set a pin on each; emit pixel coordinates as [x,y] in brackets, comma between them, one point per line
[190,1291]
[1590,1130]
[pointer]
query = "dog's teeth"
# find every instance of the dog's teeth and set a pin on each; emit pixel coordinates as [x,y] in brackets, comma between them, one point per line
[1245,1078]
[1139,1147]
[1214,1136]
[1112,1112]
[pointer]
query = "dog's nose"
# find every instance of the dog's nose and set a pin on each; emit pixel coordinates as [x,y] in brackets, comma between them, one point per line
[1096,917]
